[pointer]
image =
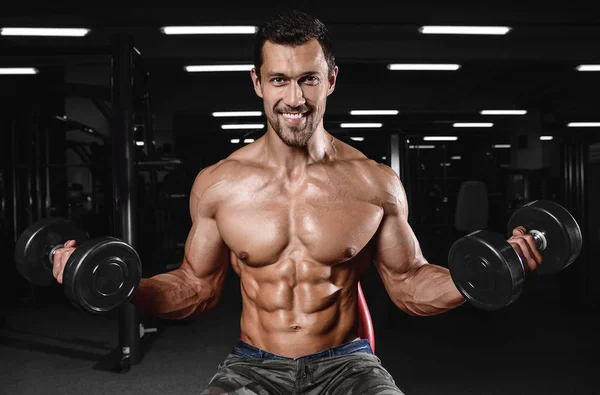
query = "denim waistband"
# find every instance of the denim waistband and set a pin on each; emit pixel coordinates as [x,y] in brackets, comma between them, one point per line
[246,350]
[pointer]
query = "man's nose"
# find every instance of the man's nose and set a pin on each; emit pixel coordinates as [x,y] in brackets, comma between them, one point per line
[294,96]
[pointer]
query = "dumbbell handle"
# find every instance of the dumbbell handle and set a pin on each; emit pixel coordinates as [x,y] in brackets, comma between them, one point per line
[52,251]
[539,238]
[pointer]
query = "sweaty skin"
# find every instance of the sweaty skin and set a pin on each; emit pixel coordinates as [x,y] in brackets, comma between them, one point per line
[299,215]
[299,242]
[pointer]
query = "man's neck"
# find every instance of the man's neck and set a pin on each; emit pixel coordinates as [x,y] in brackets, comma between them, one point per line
[320,148]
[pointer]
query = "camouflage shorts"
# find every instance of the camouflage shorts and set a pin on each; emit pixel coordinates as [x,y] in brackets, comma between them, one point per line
[348,369]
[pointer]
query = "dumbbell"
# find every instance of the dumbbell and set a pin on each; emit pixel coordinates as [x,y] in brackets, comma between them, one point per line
[100,275]
[488,271]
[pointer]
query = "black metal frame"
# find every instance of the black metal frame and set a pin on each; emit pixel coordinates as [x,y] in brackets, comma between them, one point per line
[574,173]
[124,179]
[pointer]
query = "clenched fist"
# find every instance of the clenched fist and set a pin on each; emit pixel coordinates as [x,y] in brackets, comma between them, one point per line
[524,244]
[61,255]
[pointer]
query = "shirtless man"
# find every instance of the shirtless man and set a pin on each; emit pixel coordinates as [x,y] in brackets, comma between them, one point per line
[300,216]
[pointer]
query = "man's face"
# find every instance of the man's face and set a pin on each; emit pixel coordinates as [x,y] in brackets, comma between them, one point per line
[294,88]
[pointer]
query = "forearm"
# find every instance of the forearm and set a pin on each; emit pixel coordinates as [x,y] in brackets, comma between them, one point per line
[174,295]
[426,290]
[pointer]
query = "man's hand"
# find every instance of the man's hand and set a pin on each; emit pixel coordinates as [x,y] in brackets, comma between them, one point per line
[61,255]
[524,245]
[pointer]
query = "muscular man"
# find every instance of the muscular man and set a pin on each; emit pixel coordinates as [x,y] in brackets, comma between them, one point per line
[299,215]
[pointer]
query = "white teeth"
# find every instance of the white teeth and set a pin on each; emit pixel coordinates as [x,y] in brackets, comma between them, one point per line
[293,116]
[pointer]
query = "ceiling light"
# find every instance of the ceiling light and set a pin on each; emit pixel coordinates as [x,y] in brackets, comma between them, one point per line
[243,126]
[248,141]
[234,141]
[236,114]
[361,125]
[440,138]
[422,66]
[139,143]
[208,30]
[501,146]
[484,30]
[583,124]
[43,32]
[455,158]
[421,146]
[546,138]
[374,112]
[357,138]
[588,67]
[218,67]
[18,70]
[503,112]
[445,164]
[473,124]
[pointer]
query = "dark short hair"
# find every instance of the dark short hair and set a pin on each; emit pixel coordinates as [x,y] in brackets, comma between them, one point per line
[293,28]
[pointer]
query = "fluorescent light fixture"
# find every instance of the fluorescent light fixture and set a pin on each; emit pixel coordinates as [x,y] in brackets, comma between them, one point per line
[236,114]
[501,145]
[422,66]
[208,29]
[139,143]
[357,138]
[503,112]
[234,141]
[421,146]
[473,124]
[546,138]
[243,126]
[588,67]
[440,138]
[445,164]
[218,67]
[583,124]
[483,30]
[18,70]
[374,112]
[455,158]
[248,141]
[361,125]
[43,32]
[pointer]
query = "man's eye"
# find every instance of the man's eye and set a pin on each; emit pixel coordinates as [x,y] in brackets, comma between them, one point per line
[277,80]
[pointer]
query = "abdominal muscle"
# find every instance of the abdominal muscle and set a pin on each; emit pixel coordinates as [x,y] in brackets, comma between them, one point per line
[294,309]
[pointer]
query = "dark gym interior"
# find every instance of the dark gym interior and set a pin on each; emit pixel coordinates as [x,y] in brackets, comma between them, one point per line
[110,132]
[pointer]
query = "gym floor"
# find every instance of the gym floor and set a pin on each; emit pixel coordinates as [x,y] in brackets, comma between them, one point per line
[535,346]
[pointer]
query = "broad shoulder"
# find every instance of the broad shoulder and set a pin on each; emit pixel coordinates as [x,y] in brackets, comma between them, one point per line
[380,173]
[393,195]
[378,179]
[222,172]
[213,184]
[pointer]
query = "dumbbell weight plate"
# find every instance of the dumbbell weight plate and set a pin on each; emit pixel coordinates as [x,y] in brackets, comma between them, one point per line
[562,233]
[486,270]
[35,243]
[102,274]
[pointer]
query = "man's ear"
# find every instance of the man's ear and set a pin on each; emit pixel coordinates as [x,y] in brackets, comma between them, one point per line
[256,82]
[332,80]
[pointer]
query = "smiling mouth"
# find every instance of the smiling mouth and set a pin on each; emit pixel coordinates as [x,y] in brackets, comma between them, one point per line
[293,116]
